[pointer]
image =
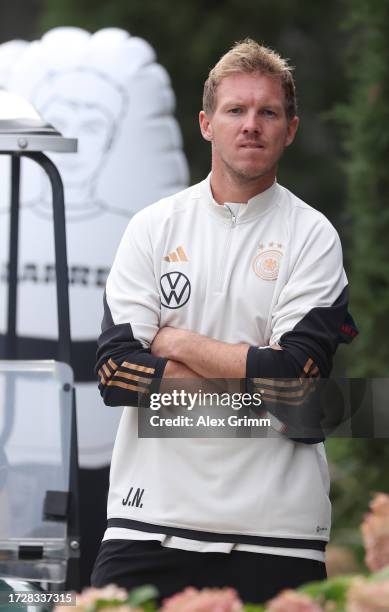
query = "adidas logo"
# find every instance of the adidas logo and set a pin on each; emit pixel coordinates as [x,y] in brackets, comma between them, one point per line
[177,255]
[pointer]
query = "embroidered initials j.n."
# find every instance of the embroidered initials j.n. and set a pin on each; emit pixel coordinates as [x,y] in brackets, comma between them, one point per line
[134,498]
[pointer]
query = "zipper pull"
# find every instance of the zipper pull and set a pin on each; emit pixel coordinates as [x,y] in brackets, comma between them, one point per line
[233,216]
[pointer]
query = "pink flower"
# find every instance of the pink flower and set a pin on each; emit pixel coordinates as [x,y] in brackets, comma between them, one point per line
[109,592]
[368,596]
[206,600]
[291,601]
[375,532]
[86,600]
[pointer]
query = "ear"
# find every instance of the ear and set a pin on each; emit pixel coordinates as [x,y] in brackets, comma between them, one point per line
[205,126]
[291,130]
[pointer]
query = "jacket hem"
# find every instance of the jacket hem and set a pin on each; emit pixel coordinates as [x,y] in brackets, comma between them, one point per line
[208,536]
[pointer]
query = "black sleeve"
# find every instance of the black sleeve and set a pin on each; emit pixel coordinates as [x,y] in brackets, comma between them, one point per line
[127,372]
[284,377]
[308,349]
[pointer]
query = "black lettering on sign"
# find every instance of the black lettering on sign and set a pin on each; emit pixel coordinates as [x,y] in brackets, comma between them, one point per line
[78,275]
[49,273]
[45,274]
[30,273]
[101,277]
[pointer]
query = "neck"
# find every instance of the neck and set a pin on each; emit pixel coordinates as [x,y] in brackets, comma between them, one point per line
[230,187]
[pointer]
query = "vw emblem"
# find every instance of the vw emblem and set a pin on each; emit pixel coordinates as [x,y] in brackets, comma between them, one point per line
[175,289]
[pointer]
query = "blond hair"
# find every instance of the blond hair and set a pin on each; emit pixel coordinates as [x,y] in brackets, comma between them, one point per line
[248,57]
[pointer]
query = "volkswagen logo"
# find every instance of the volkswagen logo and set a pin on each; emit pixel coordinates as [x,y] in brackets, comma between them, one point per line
[175,290]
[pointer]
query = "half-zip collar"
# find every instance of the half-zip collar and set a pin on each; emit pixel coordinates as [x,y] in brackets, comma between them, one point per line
[255,207]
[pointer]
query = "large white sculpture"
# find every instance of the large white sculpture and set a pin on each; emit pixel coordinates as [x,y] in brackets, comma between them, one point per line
[107,90]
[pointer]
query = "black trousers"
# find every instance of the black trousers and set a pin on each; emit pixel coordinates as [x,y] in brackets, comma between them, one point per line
[256,577]
[93,491]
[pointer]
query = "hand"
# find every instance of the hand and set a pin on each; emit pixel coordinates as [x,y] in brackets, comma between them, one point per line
[208,357]
[168,341]
[276,347]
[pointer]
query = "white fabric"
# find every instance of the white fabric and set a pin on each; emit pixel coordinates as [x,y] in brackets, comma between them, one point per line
[270,487]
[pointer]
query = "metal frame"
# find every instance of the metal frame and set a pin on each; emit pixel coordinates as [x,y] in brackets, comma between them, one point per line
[12,145]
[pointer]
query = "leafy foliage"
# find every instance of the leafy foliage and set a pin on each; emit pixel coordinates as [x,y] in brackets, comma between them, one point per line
[190,36]
[359,465]
[366,122]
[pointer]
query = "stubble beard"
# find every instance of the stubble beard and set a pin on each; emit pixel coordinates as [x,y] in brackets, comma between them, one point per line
[246,177]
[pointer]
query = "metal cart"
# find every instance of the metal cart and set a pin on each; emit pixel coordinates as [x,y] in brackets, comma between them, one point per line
[39,527]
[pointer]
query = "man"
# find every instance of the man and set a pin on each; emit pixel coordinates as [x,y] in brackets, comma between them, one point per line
[234,277]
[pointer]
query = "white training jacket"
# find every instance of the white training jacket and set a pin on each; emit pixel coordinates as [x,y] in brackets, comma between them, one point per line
[269,271]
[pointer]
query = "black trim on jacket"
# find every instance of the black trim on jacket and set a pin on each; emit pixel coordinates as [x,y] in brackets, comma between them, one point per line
[128,372]
[208,536]
[289,377]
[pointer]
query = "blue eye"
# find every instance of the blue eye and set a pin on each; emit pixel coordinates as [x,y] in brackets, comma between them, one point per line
[268,112]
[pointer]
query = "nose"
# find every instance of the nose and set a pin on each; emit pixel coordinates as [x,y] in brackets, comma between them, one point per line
[252,123]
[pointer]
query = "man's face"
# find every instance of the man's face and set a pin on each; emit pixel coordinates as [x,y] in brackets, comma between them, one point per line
[89,123]
[248,129]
